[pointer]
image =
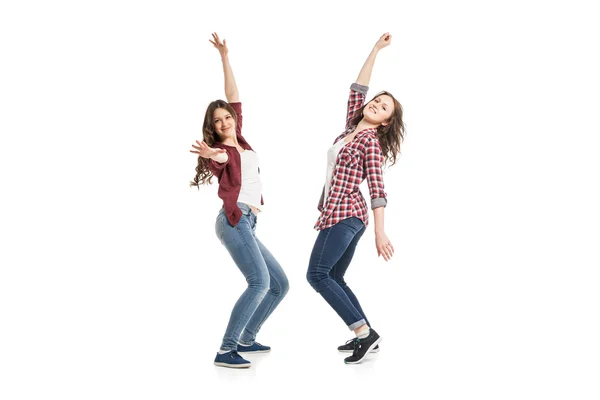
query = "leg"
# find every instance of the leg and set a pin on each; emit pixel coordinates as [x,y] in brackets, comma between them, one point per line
[339,270]
[241,245]
[330,246]
[278,289]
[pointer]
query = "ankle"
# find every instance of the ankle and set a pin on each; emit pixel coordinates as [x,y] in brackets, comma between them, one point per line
[362,332]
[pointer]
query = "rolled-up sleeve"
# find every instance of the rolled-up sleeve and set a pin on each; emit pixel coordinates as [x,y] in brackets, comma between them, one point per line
[356,99]
[373,167]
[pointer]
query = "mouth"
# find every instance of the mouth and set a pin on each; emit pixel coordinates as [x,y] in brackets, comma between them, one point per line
[373,110]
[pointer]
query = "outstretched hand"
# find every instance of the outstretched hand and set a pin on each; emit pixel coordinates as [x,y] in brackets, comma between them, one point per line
[205,150]
[221,46]
[384,41]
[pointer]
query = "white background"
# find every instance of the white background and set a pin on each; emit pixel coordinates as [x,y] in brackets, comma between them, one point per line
[113,284]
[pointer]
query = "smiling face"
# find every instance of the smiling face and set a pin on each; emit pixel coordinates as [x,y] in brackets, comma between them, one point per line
[379,110]
[224,123]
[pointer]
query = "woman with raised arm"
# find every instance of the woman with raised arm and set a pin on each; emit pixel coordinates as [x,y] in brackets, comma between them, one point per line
[226,154]
[372,137]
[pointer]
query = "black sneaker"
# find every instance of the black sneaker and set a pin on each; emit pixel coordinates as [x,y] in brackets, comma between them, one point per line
[362,347]
[349,347]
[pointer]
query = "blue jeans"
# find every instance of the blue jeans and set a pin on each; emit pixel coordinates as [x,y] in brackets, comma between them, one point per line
[267,283]
[329,261]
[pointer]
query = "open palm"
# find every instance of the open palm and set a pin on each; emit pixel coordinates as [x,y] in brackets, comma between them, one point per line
[205,150]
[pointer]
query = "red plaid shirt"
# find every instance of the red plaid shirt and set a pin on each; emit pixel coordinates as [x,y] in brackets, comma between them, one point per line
[361,158]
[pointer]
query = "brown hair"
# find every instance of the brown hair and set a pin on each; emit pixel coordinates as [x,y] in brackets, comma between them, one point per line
[391,135]
[210,137]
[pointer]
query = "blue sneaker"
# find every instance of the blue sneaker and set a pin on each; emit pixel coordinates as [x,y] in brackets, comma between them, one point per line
[253,348]
[231,359]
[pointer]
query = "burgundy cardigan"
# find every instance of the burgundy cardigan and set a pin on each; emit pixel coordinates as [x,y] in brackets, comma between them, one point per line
[229,174]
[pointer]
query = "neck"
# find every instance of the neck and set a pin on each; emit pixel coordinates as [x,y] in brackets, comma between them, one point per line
[231,141]
[363,124]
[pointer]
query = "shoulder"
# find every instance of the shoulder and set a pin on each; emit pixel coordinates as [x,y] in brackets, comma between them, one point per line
[368,137]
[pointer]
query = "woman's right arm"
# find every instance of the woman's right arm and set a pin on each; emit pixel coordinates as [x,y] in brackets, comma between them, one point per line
[358,90]
[364,76]
[216,154]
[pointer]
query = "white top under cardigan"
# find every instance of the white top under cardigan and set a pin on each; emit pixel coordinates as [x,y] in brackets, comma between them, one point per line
[250,192]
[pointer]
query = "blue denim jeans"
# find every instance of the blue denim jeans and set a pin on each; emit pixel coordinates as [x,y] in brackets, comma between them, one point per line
[328,264]
[267,283]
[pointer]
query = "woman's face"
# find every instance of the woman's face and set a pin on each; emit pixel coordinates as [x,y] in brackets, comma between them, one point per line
[379,110]
[224,123]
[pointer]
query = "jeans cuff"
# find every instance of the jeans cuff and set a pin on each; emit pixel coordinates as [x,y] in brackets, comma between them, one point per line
[357,324]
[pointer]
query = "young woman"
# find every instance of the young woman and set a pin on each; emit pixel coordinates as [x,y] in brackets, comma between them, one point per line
[372,137]
[226,154]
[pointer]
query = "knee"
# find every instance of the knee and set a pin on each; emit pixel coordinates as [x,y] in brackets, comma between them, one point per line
[284,286]
[260,283]
[314,277]
[280,286]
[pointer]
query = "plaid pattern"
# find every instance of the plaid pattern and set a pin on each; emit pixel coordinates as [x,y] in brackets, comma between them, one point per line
[358,160]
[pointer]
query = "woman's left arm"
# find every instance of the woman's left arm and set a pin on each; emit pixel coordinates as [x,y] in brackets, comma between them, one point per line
[383,244]
[373,166]
[231,90]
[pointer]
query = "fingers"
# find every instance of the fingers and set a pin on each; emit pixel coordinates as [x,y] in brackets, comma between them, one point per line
[385,39]
[201,147]
[217,41]
[386,250]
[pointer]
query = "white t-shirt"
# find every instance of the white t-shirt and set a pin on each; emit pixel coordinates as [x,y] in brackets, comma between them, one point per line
[251,190]
[332,154]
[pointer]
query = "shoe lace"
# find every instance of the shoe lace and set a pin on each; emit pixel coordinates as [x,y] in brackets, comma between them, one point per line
[356,346]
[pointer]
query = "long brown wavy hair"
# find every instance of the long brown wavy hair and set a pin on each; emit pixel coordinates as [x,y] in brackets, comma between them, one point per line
[391,135]
[210,137]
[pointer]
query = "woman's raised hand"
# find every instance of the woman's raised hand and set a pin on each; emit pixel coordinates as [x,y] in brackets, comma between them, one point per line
[205,150]
[384,41]
[221,46]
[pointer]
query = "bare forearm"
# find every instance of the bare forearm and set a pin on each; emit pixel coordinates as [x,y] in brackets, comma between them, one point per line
[231,90]
[365,73]
[220,158]
[378,214]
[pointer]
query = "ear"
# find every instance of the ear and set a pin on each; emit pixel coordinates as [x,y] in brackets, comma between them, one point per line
[384,123]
